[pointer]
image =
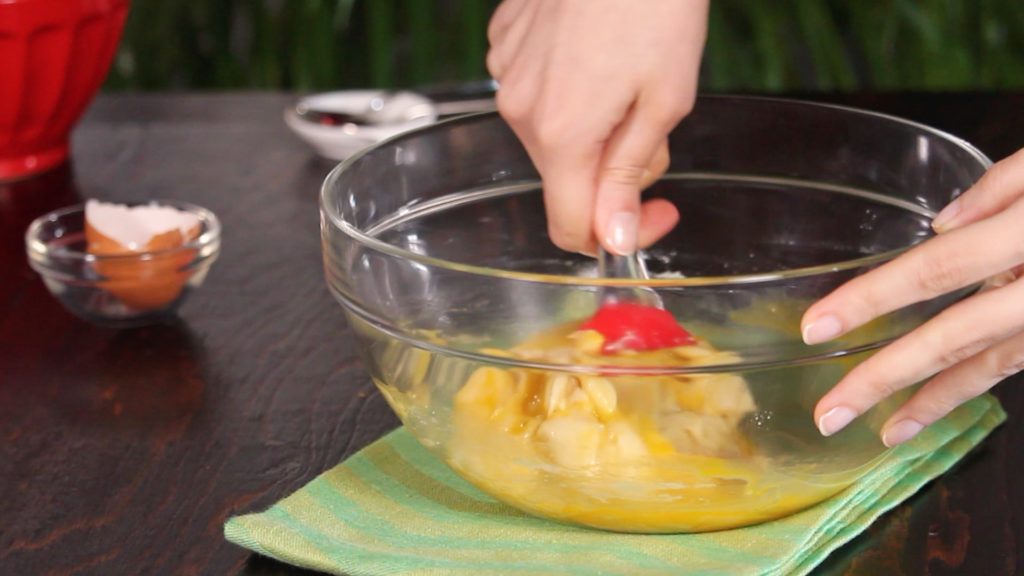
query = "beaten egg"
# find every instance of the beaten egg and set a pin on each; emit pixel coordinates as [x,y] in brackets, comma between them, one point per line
[637,453]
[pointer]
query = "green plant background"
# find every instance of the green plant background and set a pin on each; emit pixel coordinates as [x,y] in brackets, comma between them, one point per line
[753,45]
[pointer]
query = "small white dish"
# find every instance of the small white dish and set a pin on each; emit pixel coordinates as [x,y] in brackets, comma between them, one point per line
[337,142]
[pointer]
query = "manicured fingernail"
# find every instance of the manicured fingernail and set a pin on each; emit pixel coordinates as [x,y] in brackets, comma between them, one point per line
[621,234]
[822,330]
[900,432]
[835,420]
[945,218]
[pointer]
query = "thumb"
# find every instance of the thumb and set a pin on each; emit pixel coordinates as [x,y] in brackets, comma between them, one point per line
[658,166]
[634,157]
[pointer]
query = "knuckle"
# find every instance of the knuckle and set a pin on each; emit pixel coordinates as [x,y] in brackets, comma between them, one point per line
[494,28]
[513,106]
[566,238]
[863,300]
[937,275]
[685,104]
[1002,180]
[938,403]
[880,388]
[553,135]
[877,385]
[1016,231]
[493,62]
[623,174]
[1009,362]
[680,107]
[994,180]
[953,353]
[499,22]
[1016,208]
[666,111]
[956,355]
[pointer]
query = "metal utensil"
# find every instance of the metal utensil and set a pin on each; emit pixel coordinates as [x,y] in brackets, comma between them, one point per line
[629,267]
[632,317]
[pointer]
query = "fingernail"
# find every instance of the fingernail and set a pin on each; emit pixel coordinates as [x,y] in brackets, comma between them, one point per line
[822,330]
[621,236]
[900,432]
[835,420]
[942,222]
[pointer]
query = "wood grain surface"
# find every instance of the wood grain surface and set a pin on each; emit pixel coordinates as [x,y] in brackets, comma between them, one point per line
[123,452]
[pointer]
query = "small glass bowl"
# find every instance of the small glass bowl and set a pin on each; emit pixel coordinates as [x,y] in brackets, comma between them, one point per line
[119,290]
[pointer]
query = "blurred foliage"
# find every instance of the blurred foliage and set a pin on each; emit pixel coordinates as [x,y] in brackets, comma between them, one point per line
[753,45]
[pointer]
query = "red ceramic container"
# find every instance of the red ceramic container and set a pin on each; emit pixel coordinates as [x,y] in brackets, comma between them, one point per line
[54,54]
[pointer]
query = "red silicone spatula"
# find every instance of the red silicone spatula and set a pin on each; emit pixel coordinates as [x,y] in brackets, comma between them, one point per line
[634,317]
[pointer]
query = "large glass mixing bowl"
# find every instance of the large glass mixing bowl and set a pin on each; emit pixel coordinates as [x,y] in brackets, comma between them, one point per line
[467,316]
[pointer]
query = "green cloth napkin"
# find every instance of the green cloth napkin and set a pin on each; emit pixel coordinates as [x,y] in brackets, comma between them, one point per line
[393,508]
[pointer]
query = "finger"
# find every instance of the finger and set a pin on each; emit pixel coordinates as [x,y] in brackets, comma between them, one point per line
[657,218]
[1000,280]
[628,156]
[953,336]
[563,145]
[953,387]
[503,17]
[567,154]
[569,176]
[495,65]
[1002,185]
[658,166]
[507,42]
[943,264]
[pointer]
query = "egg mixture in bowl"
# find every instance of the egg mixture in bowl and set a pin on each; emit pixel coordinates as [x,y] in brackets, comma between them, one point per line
[474,326]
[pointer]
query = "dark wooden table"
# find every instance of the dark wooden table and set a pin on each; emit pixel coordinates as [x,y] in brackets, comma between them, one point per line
[122,452]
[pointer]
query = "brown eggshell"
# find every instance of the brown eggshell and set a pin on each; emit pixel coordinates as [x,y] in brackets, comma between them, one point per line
[143,283]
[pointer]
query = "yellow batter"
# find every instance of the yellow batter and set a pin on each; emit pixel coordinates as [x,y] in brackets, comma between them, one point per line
[627,453]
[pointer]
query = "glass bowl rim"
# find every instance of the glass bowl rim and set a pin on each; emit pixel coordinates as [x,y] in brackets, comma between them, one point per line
[37,247]
[337,220]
